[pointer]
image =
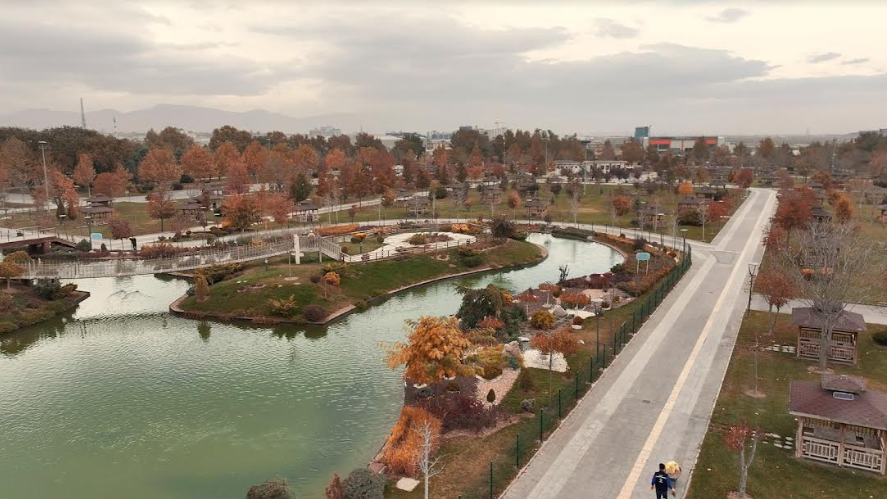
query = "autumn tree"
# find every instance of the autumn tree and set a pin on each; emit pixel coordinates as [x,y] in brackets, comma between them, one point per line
[561,341]
[793,211]
[84,173]
[777,288]
[197,163]
[161,207]
[632,151]
[607,151]
[160,168]
[18,161]
[201,287]
[745,177]
[686,188]
[64,194]
[334,490]
[254,157]
[119,228]
[277,170]
[621,204]
[435,350]
[241,211]
[736,440]
[13,266]
[513,200]
[279,206]
[225,156]
[844,209]
[112,184]
[237,181]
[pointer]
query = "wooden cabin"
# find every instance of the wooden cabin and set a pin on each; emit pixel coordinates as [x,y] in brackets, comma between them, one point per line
[820,214]
[840,422]
[97,215]
[653,217]
[843,339]
[490,194]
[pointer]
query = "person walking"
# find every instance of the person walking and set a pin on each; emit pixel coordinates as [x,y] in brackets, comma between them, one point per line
[661,483]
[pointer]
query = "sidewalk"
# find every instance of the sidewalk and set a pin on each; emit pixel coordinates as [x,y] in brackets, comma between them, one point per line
[873,314]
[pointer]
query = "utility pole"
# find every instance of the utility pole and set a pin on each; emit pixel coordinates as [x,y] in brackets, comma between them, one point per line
[82,115]
[752,272]
[42,144]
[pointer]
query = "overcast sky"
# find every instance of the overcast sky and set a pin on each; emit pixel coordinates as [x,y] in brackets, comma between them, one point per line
[584,66]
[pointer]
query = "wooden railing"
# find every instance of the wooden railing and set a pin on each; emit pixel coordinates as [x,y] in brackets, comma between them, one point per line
[863,458]
[820,450]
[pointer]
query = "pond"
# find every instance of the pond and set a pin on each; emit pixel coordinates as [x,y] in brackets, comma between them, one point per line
[123,399]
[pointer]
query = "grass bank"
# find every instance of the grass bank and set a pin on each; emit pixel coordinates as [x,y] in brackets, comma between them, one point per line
[250,294]
[23,307]
[775,471]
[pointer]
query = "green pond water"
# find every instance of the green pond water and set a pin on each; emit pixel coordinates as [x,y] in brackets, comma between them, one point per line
[122,399]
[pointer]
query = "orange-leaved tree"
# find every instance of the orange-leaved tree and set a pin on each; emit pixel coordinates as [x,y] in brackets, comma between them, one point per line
[561,341]
[84,172]
[686,188]
[778,288]
[415,429]
[435,350]
[621,204]
[735,440]
[241,211]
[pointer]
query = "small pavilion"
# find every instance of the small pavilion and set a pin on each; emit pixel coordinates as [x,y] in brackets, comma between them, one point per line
[840,422]
[305,211]
[536,208]
[843,339]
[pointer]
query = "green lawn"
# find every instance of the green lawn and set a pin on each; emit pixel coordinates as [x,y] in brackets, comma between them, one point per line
[136,214]
[594,209]
[359,282]
[22,307]
[776,472]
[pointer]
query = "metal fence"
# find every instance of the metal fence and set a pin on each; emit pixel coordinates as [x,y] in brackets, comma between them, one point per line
[531,433]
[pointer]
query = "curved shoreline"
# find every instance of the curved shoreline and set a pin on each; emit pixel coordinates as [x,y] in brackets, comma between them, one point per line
[80,296]
[175,308]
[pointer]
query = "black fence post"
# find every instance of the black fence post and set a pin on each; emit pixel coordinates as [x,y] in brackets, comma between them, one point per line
[541,423]
[591,369]
[491,479]
[558,403]
[577,387]
[517,451]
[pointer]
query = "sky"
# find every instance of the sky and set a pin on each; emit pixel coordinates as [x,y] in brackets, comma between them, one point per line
[691,66]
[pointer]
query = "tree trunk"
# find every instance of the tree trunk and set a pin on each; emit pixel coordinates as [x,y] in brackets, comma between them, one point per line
[823,349]
[743,473]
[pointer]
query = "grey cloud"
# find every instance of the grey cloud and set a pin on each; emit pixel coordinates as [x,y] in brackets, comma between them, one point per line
[124,62]
[730,15]
[827,56]
[612,29]
[853,62]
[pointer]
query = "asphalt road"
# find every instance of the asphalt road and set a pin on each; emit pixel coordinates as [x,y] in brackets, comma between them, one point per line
[654,403]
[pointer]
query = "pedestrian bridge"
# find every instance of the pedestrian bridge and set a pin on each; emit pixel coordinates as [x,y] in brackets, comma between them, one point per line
[124,267]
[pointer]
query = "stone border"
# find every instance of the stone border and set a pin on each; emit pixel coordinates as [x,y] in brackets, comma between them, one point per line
[175,307]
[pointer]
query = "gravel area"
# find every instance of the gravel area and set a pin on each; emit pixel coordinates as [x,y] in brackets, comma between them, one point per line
[500,384]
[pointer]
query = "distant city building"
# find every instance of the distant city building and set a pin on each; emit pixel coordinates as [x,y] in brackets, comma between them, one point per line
[324,131]
[681,144]
[641,132]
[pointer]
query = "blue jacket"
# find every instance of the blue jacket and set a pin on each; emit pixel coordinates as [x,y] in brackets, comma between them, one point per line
[661,481]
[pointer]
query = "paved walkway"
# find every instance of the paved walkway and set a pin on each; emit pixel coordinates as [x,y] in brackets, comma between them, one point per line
[654,403]
[872,314]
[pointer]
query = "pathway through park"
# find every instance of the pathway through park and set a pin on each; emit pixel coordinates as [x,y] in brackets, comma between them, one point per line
[654,403]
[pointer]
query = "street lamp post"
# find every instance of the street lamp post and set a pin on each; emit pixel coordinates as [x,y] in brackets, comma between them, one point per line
[752,273]
[684,234]
[42,144]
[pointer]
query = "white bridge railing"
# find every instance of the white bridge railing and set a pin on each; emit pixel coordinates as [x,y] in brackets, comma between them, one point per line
[123,267]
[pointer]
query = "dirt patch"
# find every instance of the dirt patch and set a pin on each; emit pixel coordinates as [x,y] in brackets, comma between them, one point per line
[506,420]
[817,370]
[755,394]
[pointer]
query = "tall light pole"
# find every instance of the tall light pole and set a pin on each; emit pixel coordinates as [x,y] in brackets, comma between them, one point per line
[42,144]
[752,273]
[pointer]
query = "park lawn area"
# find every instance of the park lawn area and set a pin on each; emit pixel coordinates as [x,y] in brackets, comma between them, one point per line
[136,214]
[594,208]
[369,244]
[776,472]
[249,294]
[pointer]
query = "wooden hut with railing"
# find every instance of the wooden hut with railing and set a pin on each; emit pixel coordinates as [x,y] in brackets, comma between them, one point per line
[843,343]
[840,422]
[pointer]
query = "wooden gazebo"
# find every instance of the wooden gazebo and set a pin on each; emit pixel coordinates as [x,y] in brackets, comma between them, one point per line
[843,339]
[418,206]
[840,422]
[689,204]
[305,211]
[536,208]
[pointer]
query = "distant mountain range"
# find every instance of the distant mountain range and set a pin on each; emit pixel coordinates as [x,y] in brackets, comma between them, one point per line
[191,118]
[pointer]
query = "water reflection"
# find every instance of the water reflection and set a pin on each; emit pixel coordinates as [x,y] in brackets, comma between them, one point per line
[120,395]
